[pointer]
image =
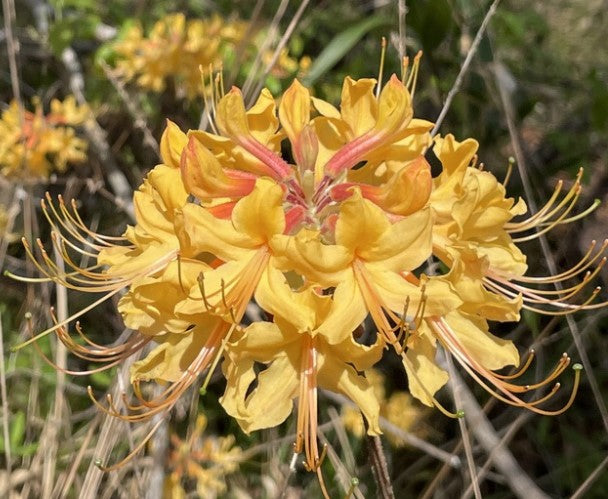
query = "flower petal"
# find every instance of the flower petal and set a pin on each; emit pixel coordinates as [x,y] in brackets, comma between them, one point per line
[260,215]
[172,143]
[482,346]
[425,378]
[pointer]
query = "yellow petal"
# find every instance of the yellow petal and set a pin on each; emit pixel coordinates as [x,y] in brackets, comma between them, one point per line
[360,224]
[454,156]
[394,108]
[275,296]
[231,155]
[231,118]
[336,375]
[138,263]
[199,231]
[260,215]
[359,107]
[485,348]
[205,178]
[262,341]
[408,190]
[347,312]
[149,308]
[331,136]
[272,400]
[172,143]
[262,120]
[425,378]
[294,110]
[466,277]
[326,264]
[167,182]
[405,245]
[325,108]
[168,361]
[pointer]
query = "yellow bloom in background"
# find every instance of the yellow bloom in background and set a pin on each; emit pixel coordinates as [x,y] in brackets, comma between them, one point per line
[175,48]
[33,145]
[206,460]
[338,230]
[399,409]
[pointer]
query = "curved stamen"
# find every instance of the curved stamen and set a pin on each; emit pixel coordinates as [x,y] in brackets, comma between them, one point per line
[506,391]
[553,223]
[584,263]
[530,296]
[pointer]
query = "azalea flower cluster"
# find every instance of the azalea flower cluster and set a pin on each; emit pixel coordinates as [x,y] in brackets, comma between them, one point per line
[175,49]
[33,144]
[327,219]
[204,460]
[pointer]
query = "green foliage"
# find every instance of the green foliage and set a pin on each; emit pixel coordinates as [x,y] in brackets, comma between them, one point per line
[432,22]
[342,44]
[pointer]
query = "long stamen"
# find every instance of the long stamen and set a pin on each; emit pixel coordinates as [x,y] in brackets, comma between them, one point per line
[506,391]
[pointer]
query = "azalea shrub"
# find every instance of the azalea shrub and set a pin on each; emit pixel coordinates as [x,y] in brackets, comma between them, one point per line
[312,252]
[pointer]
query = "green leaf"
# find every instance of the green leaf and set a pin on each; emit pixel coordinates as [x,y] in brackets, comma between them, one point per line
[17,429]
[26,450]
[340,46]
[103,379]
[531,320]
[60,36]
[431,20]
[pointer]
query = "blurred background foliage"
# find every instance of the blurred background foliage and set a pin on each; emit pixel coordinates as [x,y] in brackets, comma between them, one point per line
[550,59]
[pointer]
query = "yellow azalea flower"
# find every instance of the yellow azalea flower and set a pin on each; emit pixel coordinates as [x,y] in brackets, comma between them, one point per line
[472,210]
[337,231]
[205,459]
[34,144]
[175,48]
[300,361]
[371,259]
[242,243]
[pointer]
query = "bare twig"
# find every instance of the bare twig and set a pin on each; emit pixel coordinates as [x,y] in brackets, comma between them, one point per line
[65,488]
[466,440]
[96,135]
[54,422]
[139,120]
[510,433]
[272,33]
[465,66]
[12,47]
[450,460]
[378,464]
[595,474]
[158,448]
[402,12]
[344,475]
[5,410]
[281,45]
[338,425]
[108,436]
[520,483]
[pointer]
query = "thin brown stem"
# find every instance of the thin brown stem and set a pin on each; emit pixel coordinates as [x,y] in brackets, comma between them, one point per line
[378,464]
